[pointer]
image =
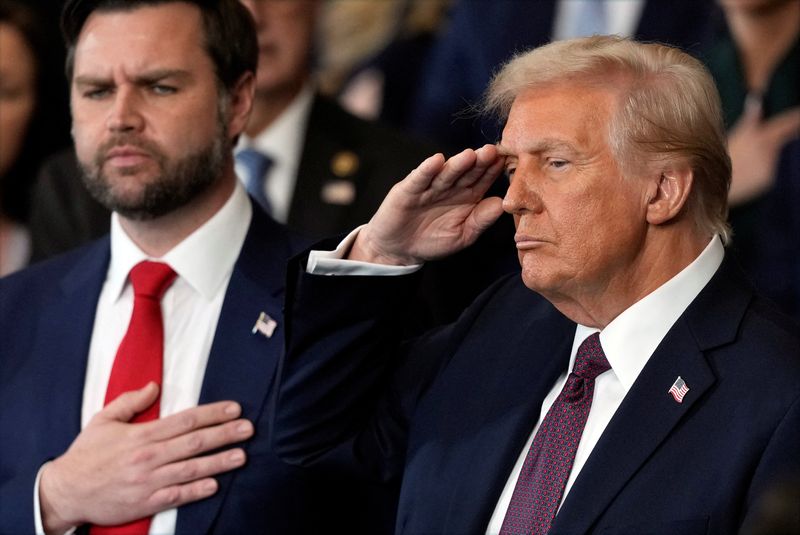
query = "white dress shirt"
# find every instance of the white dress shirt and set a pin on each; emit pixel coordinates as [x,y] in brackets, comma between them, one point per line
[190,307]
[283,142]
[628,342]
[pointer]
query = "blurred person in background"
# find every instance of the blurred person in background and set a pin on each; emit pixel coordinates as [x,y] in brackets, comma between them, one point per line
[481,35]
[377,75]
[754,61]
[29,119]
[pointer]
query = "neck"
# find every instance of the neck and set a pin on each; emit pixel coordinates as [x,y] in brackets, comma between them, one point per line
[763,36]
[268,105]
[666,252]
[156,237]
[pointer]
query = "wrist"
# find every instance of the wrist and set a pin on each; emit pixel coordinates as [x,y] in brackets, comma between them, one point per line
[363,250]
[54,505]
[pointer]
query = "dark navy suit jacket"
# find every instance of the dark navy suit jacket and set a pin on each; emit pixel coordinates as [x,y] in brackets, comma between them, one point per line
[46,319]
[451,411]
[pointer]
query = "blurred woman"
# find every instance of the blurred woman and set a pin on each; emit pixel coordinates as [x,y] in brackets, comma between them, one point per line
[755,65]
[32,107]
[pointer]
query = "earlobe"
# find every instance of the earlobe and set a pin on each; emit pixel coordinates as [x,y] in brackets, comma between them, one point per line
[669,195]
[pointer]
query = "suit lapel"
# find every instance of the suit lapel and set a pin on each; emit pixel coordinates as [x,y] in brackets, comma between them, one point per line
[242,364]
[518,381]
[62,348]
[648,414]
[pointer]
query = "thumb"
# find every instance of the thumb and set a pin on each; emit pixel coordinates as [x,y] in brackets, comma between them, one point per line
[129,404]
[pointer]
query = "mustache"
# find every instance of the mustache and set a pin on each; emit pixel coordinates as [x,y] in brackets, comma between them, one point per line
[129,140]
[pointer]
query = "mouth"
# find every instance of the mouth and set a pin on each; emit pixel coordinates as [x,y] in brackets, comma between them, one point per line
[126,156]
[527,242]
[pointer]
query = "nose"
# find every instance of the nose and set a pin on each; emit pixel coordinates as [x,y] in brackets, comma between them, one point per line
[125,115]
[520,197]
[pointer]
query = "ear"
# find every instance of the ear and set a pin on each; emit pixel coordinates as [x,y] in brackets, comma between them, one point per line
[668,194]
[241,104]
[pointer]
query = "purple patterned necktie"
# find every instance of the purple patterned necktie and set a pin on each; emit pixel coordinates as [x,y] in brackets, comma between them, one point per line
[544,474]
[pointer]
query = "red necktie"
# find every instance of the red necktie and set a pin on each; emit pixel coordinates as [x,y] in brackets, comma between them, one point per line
[140,358]
[548,463]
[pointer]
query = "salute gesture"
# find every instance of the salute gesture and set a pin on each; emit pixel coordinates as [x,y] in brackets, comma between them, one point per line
[437,210]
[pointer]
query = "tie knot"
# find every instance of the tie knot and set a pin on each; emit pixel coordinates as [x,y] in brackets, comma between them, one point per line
[151,279]
[591,360]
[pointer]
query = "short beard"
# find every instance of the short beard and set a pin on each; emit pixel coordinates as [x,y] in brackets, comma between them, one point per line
[179,182]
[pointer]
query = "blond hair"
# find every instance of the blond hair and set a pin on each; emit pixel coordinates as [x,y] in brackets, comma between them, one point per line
[669,109]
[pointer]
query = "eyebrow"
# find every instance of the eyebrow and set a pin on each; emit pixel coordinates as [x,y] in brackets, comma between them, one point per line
[145,78]
[543,145]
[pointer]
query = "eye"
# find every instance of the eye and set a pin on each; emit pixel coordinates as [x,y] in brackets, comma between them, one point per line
[555,163]
[161,89]
[97,93]
[509,172]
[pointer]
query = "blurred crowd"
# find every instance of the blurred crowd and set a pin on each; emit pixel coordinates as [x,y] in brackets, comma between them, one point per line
[414,71]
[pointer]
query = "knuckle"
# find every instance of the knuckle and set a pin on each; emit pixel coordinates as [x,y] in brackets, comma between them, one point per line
[142,455]
[138,478]
[188,421]
[194,443]
[188,471]
[170,496]
[138,433]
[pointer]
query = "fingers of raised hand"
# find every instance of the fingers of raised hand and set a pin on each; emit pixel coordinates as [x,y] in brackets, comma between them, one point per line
[454,169]
[469,168]
[420,178]
[486,170]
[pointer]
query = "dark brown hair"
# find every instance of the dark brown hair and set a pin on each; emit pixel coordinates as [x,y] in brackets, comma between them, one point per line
[230,35]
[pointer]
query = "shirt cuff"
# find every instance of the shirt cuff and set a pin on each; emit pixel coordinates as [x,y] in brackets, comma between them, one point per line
[334,263]
[37,513]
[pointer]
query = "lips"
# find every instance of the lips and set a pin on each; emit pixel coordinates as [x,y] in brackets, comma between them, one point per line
[527,241]
[126,156]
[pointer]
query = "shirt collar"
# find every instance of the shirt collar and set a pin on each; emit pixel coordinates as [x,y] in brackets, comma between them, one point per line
[204,259]
[633,336]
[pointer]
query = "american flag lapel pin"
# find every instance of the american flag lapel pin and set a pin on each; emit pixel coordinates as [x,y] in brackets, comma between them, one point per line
[265,325]
[678,389]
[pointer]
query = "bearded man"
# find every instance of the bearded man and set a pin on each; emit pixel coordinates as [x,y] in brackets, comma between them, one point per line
[136,371]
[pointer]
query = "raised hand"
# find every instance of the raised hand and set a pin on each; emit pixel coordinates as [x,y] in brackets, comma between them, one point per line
[115,471]
[754,145]
[437,210]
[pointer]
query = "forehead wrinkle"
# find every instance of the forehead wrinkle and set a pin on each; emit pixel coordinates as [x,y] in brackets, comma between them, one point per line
[537,147]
